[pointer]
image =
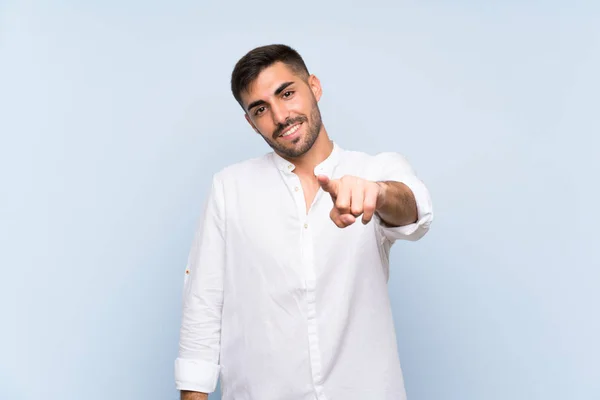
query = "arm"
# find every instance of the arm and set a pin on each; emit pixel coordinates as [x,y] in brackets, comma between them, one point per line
[186,395]
[396,204]
[390,191]
[197,365]
[409,198]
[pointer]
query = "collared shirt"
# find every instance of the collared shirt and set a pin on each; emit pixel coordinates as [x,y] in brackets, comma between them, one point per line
[282,304]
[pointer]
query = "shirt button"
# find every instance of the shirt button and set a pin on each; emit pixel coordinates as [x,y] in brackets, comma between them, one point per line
[305,226]
[296,188]
[290,166]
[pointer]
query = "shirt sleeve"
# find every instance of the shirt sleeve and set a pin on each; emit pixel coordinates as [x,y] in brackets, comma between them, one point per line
[197,365]
[395,167]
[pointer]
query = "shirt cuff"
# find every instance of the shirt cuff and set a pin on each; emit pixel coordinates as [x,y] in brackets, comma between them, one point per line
[417,230]
[196,375]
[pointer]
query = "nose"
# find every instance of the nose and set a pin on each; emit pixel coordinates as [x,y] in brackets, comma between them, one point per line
[280,114]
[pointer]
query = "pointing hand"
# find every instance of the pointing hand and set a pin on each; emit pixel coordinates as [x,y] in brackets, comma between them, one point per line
[352,197]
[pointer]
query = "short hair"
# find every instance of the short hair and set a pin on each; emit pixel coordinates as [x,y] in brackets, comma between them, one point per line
[248,68]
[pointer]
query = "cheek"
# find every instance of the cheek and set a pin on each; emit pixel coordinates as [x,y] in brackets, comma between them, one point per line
[308,105]
[265,126]
[301,104]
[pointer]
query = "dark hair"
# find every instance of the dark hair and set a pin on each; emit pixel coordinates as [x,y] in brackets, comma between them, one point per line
[255,61]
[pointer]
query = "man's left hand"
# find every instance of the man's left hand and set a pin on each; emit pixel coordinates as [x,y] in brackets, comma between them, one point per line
[352,197]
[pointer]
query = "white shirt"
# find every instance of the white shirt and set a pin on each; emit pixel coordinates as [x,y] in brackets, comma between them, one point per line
[284,305]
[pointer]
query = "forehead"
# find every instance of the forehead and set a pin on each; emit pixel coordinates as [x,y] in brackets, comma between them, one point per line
[268,81]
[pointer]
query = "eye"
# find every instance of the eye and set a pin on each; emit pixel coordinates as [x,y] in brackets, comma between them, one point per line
[259,110]
[288,94]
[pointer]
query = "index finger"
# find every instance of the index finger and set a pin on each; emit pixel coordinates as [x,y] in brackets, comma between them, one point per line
[328,185]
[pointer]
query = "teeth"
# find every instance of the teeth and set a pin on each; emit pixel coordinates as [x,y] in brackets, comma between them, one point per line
[292,130]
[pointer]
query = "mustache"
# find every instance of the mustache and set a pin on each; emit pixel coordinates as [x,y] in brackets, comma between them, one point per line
[288,122]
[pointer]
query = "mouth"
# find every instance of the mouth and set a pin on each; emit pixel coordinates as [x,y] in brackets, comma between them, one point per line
[291,131]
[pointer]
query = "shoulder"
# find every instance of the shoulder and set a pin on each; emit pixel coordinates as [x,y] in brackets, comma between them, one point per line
[370,161]
[244,169]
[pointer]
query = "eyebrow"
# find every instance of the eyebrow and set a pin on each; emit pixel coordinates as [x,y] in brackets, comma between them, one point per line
[280,89]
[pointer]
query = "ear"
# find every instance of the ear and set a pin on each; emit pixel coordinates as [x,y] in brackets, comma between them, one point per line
[315,86]
[251,123]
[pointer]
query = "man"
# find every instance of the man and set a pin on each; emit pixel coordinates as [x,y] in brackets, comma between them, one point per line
[285,293]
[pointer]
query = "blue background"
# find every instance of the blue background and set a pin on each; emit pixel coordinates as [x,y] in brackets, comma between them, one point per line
[114,116]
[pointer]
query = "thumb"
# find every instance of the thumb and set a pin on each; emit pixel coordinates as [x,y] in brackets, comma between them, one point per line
[328,185]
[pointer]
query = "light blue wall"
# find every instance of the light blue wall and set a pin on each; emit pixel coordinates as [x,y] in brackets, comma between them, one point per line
[114,115]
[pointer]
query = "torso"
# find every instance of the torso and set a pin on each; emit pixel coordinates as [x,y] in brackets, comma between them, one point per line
[310,187]
[297,288]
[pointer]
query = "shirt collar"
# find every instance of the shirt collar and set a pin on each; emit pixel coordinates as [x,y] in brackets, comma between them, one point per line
[324,168]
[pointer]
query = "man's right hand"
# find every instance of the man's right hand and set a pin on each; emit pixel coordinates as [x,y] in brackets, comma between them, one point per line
[186,395]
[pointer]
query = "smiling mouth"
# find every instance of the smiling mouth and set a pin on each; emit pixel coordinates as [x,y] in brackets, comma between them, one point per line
[291,130]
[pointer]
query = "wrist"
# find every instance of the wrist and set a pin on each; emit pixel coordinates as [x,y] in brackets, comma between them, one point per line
[381,195]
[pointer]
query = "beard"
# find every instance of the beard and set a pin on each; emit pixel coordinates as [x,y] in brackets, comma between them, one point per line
[302,144]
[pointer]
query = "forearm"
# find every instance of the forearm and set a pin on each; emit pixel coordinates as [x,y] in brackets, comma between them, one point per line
[186,395]
[397,205]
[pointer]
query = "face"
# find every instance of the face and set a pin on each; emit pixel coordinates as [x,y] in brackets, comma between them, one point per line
[282,107]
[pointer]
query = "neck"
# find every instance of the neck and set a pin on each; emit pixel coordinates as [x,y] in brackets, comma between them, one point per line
[321,149]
